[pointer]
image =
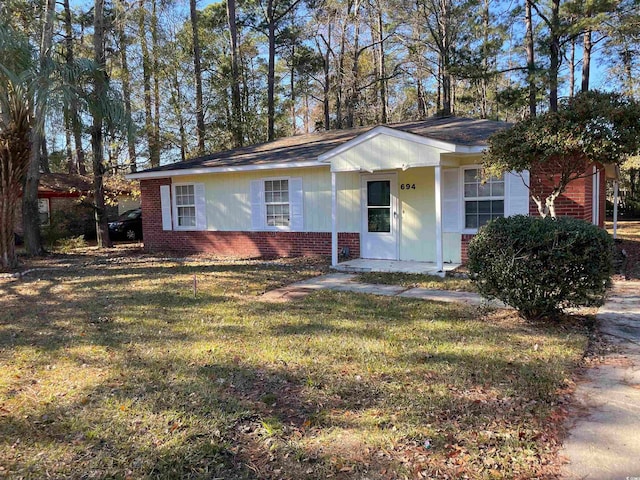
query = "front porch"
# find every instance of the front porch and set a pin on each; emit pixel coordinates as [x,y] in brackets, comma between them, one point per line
[361,265]
[399,192]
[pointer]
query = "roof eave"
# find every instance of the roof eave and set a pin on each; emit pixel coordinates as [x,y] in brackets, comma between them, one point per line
[226,169]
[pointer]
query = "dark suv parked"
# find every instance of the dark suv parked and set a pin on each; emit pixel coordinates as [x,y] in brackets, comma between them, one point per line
[128,226]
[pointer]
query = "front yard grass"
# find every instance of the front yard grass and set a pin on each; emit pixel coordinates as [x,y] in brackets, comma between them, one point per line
[115,370]
[413,280]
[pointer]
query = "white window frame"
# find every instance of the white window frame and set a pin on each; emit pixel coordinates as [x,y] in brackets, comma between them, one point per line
[463,199]
[174,204]
[264,203]
[47,202]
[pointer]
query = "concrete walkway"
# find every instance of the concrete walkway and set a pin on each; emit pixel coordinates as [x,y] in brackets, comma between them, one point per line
[344,282]
[605,444]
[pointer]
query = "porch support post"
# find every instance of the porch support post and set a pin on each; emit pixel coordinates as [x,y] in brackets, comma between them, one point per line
[438,205]
[334,221]
[615,208]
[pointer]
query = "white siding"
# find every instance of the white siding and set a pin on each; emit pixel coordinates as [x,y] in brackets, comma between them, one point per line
[229,198]
[383,152]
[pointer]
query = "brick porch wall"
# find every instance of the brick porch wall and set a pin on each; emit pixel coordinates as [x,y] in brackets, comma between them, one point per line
[232,243]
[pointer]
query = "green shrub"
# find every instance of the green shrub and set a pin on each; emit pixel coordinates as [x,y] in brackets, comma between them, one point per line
[541,266]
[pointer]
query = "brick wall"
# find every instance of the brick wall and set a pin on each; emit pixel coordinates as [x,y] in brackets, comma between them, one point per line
[232,243]
[577,200]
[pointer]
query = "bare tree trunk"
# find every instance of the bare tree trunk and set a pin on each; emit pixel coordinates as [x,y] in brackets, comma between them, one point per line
[439,87]
[197,69]
[445,54]
[292,82]
[484,81]
[102,228]
[176,100]
[154,157]
[72,168]
[306,112]
[327,79]
[554,55]
[44,156]
[126,84]
[30,213]
[626,56]
[156,80]
[422,105]
[382,73]
[531,64]
[235,75]
[586,59]
[73,103]
[271,76]
[352,100]
[340,73]
[572,69]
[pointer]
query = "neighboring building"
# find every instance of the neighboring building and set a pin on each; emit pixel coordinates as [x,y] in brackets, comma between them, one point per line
[407,191]
[64,202]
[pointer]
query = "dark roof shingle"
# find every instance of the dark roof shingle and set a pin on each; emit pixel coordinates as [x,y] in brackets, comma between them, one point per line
[301,148]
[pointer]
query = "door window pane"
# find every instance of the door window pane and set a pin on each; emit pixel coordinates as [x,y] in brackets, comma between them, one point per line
[379,219]
[379,193]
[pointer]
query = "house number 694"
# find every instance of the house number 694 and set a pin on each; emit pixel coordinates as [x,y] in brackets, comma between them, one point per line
[407,186]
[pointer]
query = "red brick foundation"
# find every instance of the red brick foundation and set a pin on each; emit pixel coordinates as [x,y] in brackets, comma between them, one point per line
[226,243]
[464,246]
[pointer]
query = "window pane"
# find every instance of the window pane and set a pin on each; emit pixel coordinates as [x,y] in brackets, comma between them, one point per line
[284,184]
[484,207]
[379,193]
[284,196]
[471,190]
[471,207]
[379,219]
[471,221]
[471,175]
[483,219]
[497,189]
[497,207]
[186,216]
[484,190]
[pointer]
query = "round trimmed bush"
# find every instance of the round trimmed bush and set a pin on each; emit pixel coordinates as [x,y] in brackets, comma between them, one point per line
[540,266]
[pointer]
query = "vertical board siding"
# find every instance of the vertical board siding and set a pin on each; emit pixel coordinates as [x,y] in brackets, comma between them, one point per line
[383,152]
[417,214]
[228,198]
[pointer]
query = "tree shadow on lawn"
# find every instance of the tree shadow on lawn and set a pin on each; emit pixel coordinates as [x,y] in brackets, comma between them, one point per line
[141,398]
[176,418]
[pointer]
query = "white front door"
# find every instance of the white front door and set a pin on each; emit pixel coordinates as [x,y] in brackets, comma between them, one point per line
[379,232]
